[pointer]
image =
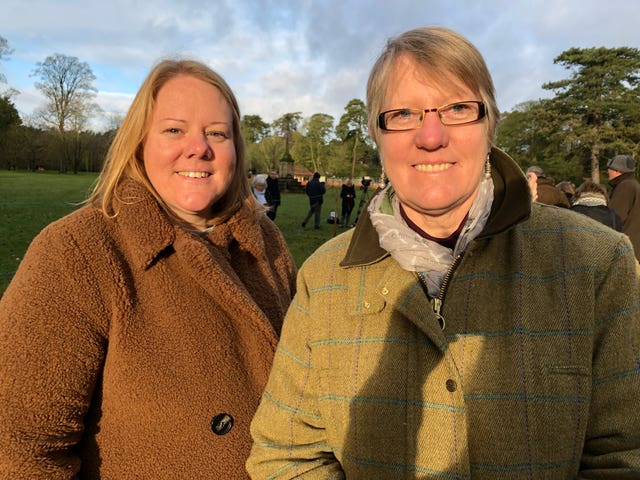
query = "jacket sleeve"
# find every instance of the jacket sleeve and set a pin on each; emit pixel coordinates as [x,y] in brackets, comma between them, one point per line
[612,444]
[51,352]
[288,429]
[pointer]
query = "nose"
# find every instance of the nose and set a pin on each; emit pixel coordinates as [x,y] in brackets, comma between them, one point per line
[432,134]
[197,146]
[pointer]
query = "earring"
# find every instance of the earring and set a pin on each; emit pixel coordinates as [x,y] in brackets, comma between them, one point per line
[487,167]
[383,178]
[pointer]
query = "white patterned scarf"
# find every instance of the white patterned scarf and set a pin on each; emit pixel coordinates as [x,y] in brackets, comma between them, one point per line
[591,200]
[416,253]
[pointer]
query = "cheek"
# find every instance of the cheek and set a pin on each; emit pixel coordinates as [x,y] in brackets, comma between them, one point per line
[230,160]
[154,154]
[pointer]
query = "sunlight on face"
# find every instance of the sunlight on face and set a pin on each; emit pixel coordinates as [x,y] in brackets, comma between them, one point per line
[436,169]
[189,150]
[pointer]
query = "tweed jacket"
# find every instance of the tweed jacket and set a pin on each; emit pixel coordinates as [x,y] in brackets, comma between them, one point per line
[625,200]
[131,348]
[532,372]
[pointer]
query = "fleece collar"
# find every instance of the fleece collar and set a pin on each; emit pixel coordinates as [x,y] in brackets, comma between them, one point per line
[151,232]
[511,205]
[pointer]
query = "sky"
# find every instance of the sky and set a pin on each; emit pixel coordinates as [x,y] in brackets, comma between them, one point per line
[307,56]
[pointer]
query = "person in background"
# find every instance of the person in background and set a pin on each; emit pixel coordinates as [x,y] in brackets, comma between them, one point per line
[138,332]
[625,196]
[568,188]
[460,330]
[273,192]
[259,189]
[315,190]
[591,199]
[348,196]
[532,182]
[546,191]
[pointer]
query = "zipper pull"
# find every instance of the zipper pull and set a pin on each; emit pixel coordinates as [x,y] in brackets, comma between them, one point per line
[437,306]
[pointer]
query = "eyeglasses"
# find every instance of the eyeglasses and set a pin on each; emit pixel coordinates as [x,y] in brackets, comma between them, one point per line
[457,113]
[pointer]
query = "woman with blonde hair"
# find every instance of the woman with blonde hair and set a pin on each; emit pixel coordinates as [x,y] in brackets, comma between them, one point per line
[138,331]
[460,330]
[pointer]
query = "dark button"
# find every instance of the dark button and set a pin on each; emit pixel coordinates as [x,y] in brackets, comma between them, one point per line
[222,423]
[451,385]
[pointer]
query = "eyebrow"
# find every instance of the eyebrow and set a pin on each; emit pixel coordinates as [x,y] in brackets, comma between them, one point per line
[213,122]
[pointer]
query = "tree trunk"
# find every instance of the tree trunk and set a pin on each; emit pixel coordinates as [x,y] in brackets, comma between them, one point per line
[353,155]
[595,163]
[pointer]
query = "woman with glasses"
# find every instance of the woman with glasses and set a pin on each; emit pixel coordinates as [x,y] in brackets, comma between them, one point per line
[459,331]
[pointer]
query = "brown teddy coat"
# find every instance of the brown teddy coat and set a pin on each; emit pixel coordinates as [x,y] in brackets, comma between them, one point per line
[132,348]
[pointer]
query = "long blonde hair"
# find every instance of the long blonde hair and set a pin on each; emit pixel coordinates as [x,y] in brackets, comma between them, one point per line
[124,158]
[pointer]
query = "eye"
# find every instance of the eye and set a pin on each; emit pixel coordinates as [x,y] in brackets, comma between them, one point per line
[218,135]
[401,114]
[459,108]
[173,130]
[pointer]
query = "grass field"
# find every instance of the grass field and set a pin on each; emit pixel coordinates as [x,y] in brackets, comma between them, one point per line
[29,201]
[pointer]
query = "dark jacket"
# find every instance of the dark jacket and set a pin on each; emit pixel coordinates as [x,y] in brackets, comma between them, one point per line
[124,341]
[601,213]
[315,190]
[273,191]
[625,200]
[348,196]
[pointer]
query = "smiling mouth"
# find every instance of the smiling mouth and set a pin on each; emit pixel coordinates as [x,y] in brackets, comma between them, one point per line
[194,174]
[439,167]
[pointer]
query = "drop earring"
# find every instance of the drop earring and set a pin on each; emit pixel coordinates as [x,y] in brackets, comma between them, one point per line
[487,167]
[383,178]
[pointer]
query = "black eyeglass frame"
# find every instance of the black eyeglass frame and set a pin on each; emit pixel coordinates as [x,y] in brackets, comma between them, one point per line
[482,112]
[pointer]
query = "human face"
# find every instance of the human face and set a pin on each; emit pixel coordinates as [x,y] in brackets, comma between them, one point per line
[189,150]
[435,169]
[613,174]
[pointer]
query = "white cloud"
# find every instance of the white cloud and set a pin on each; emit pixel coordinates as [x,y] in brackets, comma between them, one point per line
[299,55]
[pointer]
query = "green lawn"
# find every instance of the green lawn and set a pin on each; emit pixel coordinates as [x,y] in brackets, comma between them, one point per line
[29,201]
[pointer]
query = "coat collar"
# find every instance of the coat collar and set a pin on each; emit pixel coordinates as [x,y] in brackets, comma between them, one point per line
[151,231]
[622,177]
[511,205]
[143,221]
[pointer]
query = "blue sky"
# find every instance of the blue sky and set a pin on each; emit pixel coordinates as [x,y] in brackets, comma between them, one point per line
[297,55]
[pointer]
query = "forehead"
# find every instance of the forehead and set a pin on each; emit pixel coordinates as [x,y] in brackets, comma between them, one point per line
[407,78]
[186,93]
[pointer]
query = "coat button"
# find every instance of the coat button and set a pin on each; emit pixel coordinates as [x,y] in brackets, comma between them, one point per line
[451,385]
[222,423]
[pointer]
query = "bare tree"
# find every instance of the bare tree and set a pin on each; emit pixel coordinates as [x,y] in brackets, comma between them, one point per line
[5,51]
[67,84]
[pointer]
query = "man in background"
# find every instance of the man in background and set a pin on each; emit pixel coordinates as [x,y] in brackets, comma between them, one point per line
[625,196]
[315,190]
[547,192]
[273,194]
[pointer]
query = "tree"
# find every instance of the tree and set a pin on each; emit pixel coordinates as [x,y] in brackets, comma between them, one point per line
[598,107]
[5,51]
[353,127]
[285,126]
[531,135]
[254,129]
[67,84]
[318,130]
[9,122]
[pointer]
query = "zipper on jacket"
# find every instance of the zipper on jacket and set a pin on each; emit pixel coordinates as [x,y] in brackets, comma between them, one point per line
[437,301]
